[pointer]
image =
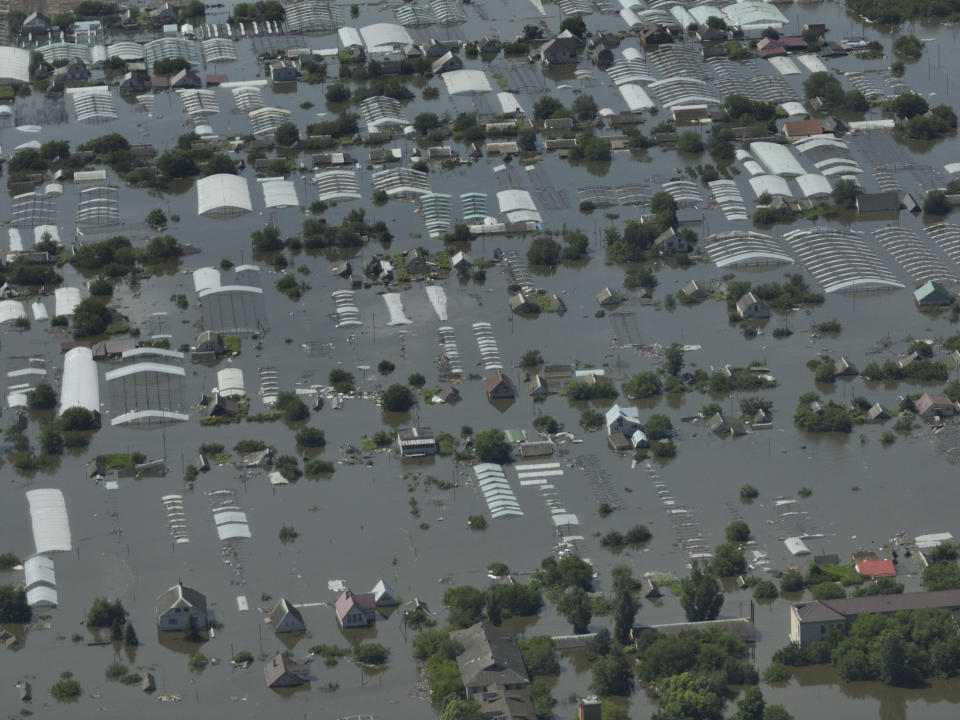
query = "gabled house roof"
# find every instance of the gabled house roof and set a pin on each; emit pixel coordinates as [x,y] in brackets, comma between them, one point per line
[281,610]
[283,671]
[630,414]
[490,657]
[348,600]
[929,401]
[180,594]
[496,379]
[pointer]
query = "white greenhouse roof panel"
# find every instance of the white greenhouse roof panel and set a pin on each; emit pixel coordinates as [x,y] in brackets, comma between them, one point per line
[42,596]
[350,37]
[80,386]
[39,569]
[11,310]
[223,196]
[206,278]
[635,97]
[48,516]
[755,13]
[813,184]
[230,382]
[509,105]
[380,35]
[66,300]
[466,82]
[793,109]
[144,416]
[14,65]
[777,159]
[144,367]
[773,185]
[279,193]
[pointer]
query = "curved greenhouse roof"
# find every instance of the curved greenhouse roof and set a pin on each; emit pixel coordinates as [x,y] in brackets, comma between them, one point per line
[777,159]
[635,97]
[138,416]
[152,352]
[380,35]
[771,184]
[80,386]
[755,13]
[11,310]
[744,248]
[279,193]
[223,196]
[840,260]
[813,184]
[48,516]
[14,65]
[206,278]
[144,367]
[66,300]
[466,82]
[125,50]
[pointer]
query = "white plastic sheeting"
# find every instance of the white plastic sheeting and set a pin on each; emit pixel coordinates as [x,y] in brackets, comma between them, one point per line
[813,184]
[42,596]
[230,382]
[394,302]
[39,311]
[144,367]
[635,97]
[466,82]
[66,300]
[11,310]
[796,546]
[509,105]
[794,109]
[14,65]
[518,206]
[223,196]
[279,193]
[138,416]
[206,278]
[39,569]
[383,36]
[80,387]
[773,185]
[777,159]
[48,516]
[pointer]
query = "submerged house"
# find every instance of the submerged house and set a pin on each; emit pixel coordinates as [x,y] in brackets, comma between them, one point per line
[499,386]
[383,595]
[623,420]
[751,307]
[178,605]
[283,671]
[285,618]
[933,405]
[416,442]
[355,610]
[932,293]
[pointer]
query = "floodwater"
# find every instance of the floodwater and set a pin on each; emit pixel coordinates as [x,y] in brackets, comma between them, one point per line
[356,526]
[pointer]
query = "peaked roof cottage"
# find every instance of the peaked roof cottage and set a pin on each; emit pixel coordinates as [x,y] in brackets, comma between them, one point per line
[355,610]
[285,618]
[177,605]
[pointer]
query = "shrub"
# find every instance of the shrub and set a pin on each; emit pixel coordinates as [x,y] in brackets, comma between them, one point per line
[65,689]
[316,467]
[372,653]
[310,437]
[738,531]
[397,398]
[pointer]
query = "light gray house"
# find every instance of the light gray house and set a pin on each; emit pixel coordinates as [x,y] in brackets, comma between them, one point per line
[177,605]
[623,420]
[750,306]
[285,618]
[383,595]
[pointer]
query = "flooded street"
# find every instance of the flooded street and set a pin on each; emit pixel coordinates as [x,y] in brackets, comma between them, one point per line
[356,525]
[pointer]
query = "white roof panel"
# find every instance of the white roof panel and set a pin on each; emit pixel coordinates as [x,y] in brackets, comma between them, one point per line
[206,278]
[777,159]
[11,310]
[14,65]
[144,367]
[812,184]
[466,82]
[380,34]
[66,300]
[223,195]
[37,569]
[42,596]
[80,386]
[230,382]
[48,516]
[509,104]
[635,97]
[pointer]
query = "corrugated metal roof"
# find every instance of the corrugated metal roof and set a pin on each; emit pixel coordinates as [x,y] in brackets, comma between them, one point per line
[48,516]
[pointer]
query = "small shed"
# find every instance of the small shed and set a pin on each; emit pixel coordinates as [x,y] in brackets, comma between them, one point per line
[536,449]
[608,298]
[877,568]
[285,672]
[932,293]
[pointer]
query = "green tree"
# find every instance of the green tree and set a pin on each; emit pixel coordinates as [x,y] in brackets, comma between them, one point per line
[178,163]
[658,427]
[103,613]
[689,141]
[750,706]
[310,437]
[461,709]
[397,398]
[776,712]
[464,605]
[42,397]
[90,317]
[612,675]
[643,385]
[825,85]
[575,24]
[543,250]
[935,203]
[51,441]
[371,653]
[700,596]
[286,134]
[575,606]
[130,638]
[65,689]
[688,696]
[584,107]
[738,531]
[539,656]
[13,605]
[491,446]
[728,560]
[337,92]
[625,607]
[77,419]
[527,139]
[673,357]
[547,107]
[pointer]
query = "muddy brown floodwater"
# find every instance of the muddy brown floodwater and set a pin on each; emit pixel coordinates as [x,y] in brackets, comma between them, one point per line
[357,525]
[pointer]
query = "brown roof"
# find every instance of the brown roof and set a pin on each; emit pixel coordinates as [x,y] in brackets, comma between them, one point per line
[490,657]
[794,128]
[497,377]
[928,400]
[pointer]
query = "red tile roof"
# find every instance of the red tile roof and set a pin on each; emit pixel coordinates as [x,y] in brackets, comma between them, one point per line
[797,128]
[877,568]
[348,600]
